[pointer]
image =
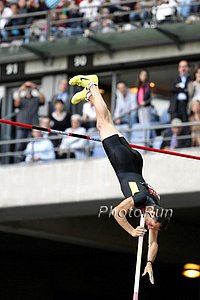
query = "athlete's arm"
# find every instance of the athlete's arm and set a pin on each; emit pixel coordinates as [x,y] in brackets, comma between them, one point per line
[151,255]
[120,212]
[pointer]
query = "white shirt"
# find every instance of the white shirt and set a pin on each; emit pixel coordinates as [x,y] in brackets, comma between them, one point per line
[87,8]
[89,111]
[182,96]
[7,12]
[40,148]
[125,104]
[75,145]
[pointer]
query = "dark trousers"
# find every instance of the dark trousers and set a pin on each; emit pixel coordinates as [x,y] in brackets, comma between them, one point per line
[181,111]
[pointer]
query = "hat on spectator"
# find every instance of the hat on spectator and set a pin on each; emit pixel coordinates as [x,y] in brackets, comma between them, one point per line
[176,122]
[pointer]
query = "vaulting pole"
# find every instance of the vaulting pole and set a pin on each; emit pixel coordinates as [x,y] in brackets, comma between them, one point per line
[80,136]
[138,262]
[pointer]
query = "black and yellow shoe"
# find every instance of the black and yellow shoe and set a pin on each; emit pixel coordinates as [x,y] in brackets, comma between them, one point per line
[84,80]
[80,96]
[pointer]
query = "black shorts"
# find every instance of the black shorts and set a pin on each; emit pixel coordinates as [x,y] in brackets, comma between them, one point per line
[128,164]
[123,158]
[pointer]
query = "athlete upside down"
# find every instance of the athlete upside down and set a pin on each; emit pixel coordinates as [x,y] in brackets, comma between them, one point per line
[128,164]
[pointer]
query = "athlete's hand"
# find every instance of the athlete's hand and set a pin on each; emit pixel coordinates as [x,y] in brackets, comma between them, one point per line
[138,231]
[149,270]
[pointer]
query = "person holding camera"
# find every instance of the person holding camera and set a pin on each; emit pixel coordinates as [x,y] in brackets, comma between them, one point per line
[27,99]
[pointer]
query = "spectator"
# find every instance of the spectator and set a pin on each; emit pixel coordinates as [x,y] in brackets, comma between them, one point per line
[195,117]
[144,97]
[44,121]
[73,27]
[62,95]
[28,99]
[194,86]
[15,32]
[173,136]
[139,14]
[89,9]
[5,13]
[89,115]
[70,146]
[41,149]
[125,102]
[185,8]
[165,10]
[179,100]
[60,119]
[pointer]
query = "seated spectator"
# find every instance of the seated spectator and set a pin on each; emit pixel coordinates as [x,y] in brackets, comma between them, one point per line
[125,102]
[195,117]
[89,9]
[89,115]
[139,14]
[61,95]
[44,122]
[5,13]
[164,10]
[179,101]
[16,32]
[27,98]
[41,149]
[73,27]
[144,97]
[185,8]
[173,136]
[194,86]
[70,146]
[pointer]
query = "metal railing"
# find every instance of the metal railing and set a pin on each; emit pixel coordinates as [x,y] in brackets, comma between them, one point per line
[144,139]
[52,26]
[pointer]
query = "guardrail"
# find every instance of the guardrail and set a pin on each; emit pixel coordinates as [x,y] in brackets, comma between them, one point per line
[144,139]
[48,24]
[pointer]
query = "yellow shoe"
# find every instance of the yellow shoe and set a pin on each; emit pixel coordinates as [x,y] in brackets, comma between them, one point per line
[80,96]
[83,80]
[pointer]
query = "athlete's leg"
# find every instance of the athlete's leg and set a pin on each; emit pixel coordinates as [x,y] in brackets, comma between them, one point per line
[104,119]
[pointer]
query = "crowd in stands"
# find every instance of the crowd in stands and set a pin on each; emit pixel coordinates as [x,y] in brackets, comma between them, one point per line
[133,110]
[74,17]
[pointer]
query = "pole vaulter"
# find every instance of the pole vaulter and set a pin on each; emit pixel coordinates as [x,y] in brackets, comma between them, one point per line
[86,137]
[128,166]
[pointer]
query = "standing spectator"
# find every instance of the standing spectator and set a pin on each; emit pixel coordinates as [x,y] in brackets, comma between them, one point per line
[62,95]
[41,149]
[5,13]
[173,136]
[179,101]
[60,119]
[89,116]
[194,86]
[195,117]
[15,32]
[144,97]
[28,98]
[125,102]
[72,146]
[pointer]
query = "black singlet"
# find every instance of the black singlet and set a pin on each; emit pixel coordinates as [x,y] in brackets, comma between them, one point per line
[128,164]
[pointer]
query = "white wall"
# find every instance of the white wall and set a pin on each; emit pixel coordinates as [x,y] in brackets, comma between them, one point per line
[74,181]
